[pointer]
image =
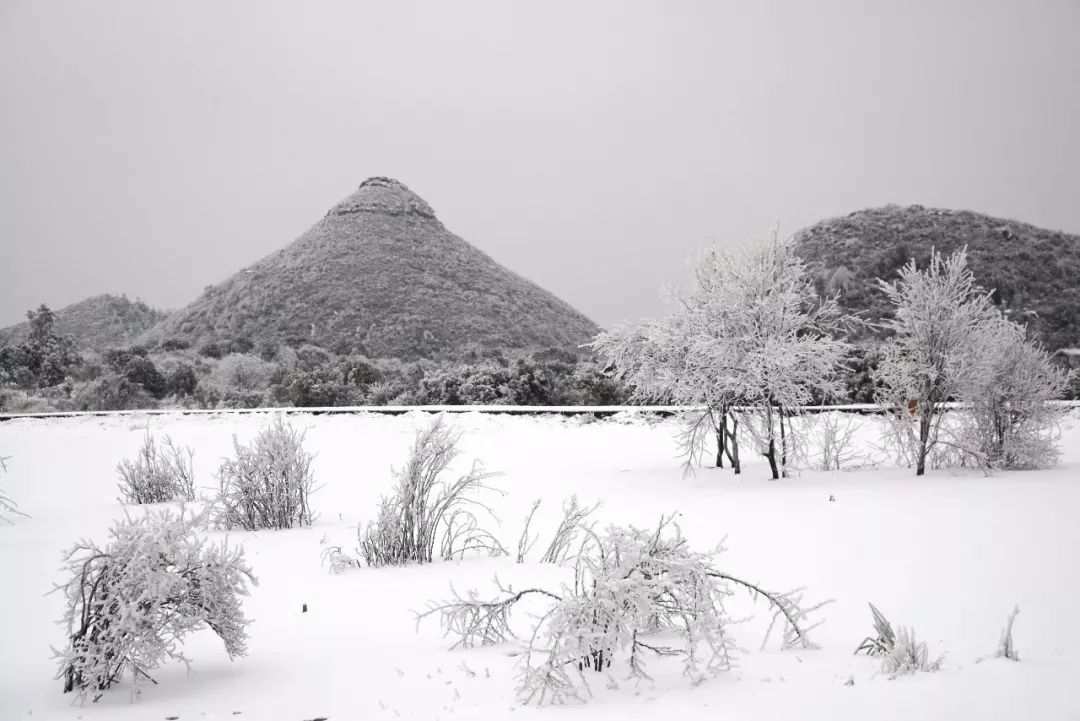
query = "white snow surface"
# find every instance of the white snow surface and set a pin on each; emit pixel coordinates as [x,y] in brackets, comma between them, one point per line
[950,554]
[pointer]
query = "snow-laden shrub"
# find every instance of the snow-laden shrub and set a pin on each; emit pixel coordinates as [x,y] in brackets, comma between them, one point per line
[131,603]
[635,593]
[900,652]
[908,655]
[268,484]
[425,511]
[158,474]
[1007,392]
[8,507]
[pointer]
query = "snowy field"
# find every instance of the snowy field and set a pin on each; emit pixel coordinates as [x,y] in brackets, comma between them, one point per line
[949,554]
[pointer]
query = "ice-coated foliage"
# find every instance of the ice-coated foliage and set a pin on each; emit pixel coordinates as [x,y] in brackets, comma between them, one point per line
[158,474]
[951,344]
[426,517]
[130,604]
[1006,648]
[908,655]
[939,313]
[268,484]
[900,652]
[752,332]
[1006,391]
[636,593]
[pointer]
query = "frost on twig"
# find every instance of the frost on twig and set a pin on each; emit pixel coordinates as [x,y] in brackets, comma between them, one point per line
[130,604]
[900,652]
[158,474]
[572,523]
[1006,648]
[636,594]
[7,506]
[427,517]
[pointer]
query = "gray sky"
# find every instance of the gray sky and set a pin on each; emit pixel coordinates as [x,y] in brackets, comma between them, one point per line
[155,148]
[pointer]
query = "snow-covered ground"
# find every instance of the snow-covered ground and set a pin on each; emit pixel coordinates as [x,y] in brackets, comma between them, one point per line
[949,554]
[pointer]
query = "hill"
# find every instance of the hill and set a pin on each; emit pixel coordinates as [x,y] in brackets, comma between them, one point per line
[1032,271]
[100,322]
[380,274]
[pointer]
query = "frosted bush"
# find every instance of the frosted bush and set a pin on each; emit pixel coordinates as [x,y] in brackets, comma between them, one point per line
[908,656]
[130,604]
[158,474]
[427,517]
[900,652]
[635,594]
[1008,419]
[268,484]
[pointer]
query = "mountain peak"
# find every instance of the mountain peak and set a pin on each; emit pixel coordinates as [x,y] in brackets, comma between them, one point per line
[384,196]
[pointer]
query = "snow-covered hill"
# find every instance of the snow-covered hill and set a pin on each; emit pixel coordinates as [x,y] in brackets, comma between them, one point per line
[949,554]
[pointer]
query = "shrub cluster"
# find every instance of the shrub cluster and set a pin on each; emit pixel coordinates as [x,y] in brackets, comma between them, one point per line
[158,474]
[268,484]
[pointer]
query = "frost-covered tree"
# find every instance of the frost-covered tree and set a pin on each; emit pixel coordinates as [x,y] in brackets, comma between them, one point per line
[130,604]
[939,317]
[1006,391]
[751,333]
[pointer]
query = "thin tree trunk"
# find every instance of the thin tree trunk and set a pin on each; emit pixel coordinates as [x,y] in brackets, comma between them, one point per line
[771,455]
[924,438]
[783,444]
[721,432]
[732,446]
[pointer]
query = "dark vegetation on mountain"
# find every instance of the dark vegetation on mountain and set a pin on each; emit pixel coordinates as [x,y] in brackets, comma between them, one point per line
[381,276]
[96,323]
[1032,271]
[379,305]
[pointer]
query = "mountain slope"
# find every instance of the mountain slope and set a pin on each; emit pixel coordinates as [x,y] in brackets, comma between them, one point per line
[381,274]
[1032,271]
[99,322]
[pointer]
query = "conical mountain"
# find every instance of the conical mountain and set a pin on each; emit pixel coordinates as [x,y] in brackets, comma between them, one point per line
[380,274]
[1032,271]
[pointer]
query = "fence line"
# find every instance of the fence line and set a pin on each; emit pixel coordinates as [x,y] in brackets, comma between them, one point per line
[595,411]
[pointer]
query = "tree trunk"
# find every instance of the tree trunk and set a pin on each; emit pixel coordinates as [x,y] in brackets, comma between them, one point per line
[783,445]
[721,433]
[771,455]
[924,438]
[732,445]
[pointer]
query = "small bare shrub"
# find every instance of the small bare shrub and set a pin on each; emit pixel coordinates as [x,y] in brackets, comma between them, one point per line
[268,484]
[157,475]
[900,653]
[131,603]
[572,523]
[426,517]
[635,593]
[834,441]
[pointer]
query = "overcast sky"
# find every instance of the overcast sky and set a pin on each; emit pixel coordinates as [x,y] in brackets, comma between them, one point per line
[154,148]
